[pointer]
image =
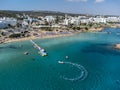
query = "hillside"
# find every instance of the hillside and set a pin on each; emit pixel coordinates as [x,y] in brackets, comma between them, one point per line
[9,13]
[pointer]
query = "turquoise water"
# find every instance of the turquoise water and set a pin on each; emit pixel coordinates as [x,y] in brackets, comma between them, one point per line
[94,51]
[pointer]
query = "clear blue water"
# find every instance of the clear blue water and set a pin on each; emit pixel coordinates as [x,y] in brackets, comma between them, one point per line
[94,51]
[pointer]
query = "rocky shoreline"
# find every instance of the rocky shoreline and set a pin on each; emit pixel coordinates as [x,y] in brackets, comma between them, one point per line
[117,46]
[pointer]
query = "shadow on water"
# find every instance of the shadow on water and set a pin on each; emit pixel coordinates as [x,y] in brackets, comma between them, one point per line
[11,47]
[101,49]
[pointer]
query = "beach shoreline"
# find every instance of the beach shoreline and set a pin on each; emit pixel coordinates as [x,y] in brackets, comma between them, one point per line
[9,40]
[58,34]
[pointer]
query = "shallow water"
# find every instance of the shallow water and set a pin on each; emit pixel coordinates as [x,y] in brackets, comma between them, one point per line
[94,51]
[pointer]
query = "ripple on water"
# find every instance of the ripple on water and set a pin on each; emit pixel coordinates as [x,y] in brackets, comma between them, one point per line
[82,75]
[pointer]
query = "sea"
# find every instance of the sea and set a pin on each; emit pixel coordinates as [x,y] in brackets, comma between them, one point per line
[84,61]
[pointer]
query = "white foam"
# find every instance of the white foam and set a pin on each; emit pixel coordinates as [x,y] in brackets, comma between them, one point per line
[81,77]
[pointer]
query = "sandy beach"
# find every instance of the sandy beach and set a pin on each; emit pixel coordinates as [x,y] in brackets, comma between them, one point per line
[47,34]
[8,40]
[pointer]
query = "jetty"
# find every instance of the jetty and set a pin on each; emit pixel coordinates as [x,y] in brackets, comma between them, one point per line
[41,51]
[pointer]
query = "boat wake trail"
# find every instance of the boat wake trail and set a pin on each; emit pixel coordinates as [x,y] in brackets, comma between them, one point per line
[81,77]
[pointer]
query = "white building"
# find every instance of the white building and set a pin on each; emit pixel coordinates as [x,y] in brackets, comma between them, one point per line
[3,25]
[50,19]
[25,23]
[113,19]
[98,20]
[5,22]
[66,22]
[72,20]
[75,20]
[84,20]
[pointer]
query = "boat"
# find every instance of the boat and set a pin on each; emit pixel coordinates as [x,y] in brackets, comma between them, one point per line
[42,53]
[60,62]
[66,57]
[26,53]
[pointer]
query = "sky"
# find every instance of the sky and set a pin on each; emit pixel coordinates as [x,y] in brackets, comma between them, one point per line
[102,7]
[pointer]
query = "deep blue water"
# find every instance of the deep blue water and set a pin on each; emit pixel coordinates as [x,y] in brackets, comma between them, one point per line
[94,51]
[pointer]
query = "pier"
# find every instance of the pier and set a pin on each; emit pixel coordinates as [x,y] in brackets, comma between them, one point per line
[41,51]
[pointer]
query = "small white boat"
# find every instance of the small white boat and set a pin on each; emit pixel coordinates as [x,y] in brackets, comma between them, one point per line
[42,53]
[42,50]
[26,53]
[66,57]
[60,62]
